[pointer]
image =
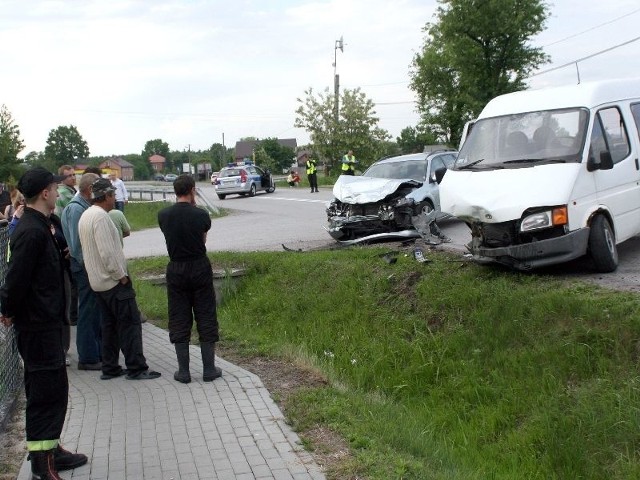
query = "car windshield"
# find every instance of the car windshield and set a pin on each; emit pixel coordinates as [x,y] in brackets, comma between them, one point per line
[231,172]
[525,139]
[413,169]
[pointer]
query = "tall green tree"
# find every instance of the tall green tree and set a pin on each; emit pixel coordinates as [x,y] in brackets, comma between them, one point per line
[65,145]
[10,146]
[413,140]
[282,155]
[219,156]
[158,147]
[473,52]
[357,127]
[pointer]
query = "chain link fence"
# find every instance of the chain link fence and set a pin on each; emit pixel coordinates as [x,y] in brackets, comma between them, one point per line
[10,363]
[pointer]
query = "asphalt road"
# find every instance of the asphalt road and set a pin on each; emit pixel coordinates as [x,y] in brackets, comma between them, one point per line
[295,217]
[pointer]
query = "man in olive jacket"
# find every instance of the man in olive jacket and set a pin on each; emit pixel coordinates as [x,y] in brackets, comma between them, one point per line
[33,301]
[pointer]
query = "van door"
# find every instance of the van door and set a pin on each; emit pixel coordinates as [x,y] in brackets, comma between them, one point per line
[618,189]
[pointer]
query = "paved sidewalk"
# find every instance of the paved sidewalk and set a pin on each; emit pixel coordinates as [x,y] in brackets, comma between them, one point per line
[229,429]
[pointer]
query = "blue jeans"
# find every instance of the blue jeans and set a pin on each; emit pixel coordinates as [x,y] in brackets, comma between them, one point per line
[89,328]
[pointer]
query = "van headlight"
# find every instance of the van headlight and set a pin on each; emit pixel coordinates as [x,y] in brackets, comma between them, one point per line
[544,219]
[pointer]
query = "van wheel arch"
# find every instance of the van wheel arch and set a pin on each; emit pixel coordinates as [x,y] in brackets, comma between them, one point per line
[602,244]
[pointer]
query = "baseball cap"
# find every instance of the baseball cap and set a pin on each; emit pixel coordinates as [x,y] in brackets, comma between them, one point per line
[35,180]
[101,187]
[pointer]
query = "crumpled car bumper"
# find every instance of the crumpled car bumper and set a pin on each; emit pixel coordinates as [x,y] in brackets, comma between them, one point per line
[536,254]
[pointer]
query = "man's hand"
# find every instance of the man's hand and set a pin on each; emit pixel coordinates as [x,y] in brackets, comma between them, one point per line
[124,280]
[6,321]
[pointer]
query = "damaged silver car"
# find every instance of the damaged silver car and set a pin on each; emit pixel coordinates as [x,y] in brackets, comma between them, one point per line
[395,197]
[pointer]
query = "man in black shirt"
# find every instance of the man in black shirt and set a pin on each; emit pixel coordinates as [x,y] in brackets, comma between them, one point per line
[189,280]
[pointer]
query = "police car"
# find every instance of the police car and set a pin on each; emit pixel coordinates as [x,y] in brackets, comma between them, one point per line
[245,179]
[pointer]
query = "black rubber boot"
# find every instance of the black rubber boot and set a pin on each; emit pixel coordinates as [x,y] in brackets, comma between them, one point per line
[42,466]
[182,352]
[209,370]
[66,460]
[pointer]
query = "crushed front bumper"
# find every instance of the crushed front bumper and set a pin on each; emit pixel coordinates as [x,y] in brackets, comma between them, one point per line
[535,254]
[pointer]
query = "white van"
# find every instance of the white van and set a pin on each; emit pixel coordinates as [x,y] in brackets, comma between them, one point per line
[550,175]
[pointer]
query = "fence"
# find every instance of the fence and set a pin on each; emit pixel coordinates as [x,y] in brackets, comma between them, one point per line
[10,363]
[166,194]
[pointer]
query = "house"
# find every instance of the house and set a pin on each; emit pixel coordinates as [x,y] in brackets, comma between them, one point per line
[157,162]
[244,149]
[122,168]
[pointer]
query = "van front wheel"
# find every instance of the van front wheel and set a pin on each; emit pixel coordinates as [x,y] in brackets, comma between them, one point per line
[602,245]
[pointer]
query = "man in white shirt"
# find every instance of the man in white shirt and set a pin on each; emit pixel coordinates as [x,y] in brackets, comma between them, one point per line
[122,196]
[107,270]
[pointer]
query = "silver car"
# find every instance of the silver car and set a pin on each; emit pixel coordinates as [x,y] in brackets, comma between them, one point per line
[388,198]
[243,180]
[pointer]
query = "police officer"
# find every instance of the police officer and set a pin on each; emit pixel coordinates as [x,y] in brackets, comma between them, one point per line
[349,164]
[312,174]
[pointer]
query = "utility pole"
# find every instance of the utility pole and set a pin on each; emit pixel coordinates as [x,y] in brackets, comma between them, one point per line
[339,44]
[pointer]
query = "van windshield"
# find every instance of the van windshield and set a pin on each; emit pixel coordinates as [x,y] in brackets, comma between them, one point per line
[525,139]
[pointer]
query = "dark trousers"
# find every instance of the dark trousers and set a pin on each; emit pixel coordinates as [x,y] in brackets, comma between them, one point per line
[313,181]
[120,206]
[121,330]
[348,172]
[45,383]
[89,329]
[191,295]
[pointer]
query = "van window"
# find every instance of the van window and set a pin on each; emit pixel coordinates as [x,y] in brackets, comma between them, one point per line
[609,133]
[525,139]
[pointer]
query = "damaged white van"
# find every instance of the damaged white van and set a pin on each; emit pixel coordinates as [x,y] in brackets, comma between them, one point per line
[546,176]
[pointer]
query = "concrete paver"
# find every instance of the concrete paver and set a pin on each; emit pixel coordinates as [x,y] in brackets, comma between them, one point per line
[165,430]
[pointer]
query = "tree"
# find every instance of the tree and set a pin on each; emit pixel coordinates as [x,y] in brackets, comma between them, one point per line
[281,155]
[474,52]
[219,156]
[412,140]
[357,128]
[65,145]
[10,146]
[158,147]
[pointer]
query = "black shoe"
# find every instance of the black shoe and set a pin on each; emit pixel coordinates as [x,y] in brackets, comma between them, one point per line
[109,376]
[65,460]
[90,366]
[144,375]
[211,376]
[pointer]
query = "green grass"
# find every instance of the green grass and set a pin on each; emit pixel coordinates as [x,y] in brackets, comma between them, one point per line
[145,215]
[444,370]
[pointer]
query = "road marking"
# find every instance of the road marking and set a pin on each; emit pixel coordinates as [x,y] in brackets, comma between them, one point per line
[308,200]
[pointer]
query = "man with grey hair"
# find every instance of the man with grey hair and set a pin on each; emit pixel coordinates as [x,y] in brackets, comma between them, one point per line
[89,330]
[107,270]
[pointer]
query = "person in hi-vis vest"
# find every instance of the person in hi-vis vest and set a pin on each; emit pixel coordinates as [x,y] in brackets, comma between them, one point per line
[349,164]
[312,174]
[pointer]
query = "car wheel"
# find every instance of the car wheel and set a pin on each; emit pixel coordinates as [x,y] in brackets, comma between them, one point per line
[252,192]
[272,188]
[602,245]
[426,208]
[221,196]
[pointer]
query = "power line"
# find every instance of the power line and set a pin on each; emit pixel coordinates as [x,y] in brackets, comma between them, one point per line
[591,29]
[575,62]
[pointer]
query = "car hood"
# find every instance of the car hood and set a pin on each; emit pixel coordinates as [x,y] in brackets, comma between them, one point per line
[358,190]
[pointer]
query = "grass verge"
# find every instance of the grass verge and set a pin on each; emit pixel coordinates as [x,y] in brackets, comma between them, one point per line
[444,370]
[145,214]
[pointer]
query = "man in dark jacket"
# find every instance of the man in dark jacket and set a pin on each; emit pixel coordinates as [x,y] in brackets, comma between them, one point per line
[33,301]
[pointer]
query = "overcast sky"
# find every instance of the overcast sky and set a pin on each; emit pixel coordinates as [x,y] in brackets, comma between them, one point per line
[188,71]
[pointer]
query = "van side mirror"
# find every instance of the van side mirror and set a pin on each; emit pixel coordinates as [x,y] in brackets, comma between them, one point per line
[605,163]
[439,174]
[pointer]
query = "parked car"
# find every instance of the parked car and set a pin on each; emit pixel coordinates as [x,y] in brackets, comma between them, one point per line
[170,177]
[158,177]
[243,180]
[214,175]
[383,202]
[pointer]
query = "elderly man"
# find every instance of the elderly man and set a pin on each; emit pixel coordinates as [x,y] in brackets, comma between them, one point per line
[32,300]
[107,270]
